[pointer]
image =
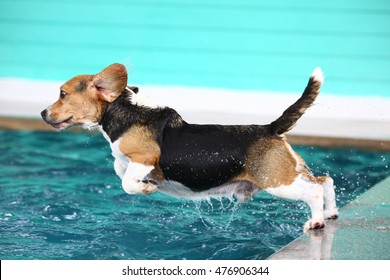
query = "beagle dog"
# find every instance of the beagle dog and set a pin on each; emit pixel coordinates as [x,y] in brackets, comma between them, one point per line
[155,149]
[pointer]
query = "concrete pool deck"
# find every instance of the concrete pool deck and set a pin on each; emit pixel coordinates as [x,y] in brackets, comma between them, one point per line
[362,232]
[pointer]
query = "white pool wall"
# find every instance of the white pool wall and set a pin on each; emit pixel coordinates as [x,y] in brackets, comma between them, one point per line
[332,115]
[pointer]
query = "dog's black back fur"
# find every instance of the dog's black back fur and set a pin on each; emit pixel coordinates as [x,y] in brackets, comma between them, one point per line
[206,156]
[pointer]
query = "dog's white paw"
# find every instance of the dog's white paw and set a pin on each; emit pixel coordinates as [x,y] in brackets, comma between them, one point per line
[331,214]
[135,186]
[314,224]
[150,186]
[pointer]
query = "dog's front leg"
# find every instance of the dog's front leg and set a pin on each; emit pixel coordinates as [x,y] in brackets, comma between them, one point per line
[120,168]
[135,179]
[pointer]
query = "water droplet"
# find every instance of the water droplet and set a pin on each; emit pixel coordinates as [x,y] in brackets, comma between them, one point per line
[71,217]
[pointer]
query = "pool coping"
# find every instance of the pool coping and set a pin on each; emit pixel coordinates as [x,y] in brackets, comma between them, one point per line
[362,232]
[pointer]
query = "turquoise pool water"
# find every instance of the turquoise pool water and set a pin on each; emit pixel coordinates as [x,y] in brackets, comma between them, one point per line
[60,199]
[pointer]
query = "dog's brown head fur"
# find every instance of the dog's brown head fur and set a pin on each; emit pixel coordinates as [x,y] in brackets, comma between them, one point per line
[82,99]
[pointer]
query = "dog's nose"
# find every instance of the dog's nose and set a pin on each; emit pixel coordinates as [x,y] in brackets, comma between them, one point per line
[44,113]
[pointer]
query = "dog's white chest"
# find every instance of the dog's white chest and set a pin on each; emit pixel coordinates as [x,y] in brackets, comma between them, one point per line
[115,151]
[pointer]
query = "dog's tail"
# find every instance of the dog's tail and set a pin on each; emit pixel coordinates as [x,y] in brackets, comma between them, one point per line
[289,117]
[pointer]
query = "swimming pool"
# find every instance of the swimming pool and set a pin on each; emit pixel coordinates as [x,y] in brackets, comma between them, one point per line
[60,199]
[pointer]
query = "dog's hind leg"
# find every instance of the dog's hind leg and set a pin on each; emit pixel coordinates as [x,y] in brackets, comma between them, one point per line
[310,192]
[331,210]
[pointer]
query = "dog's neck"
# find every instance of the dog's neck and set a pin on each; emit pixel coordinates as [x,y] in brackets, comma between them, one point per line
[120,115]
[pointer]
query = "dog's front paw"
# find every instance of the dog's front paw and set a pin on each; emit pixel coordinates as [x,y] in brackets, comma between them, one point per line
[150,186]
[135,186]
[314,224]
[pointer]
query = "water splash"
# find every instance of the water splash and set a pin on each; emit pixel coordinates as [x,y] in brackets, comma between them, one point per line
[217,212]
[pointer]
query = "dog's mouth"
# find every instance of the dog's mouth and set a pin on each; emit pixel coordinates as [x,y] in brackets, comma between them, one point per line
[62,124]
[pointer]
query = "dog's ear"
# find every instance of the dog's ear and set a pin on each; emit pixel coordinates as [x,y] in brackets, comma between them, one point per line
[134,89]
[111,82]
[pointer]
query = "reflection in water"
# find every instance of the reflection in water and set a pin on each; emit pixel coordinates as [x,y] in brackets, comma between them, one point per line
[314,245]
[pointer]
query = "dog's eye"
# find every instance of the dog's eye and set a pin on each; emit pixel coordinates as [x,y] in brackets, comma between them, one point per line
[62,94]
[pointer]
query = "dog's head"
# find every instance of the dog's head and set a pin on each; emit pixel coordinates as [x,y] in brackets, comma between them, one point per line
[83,98]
